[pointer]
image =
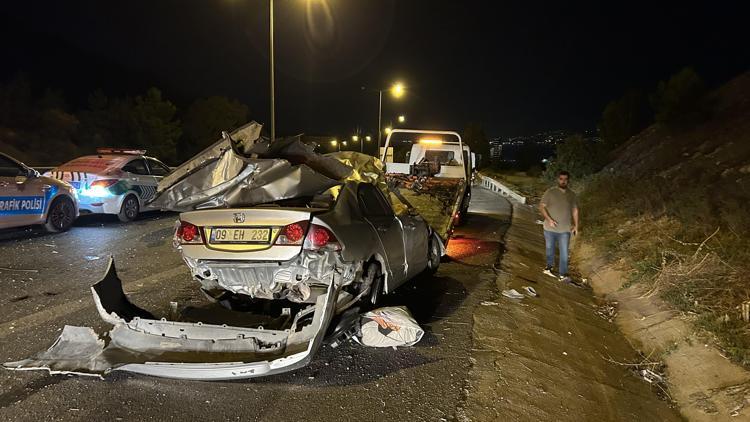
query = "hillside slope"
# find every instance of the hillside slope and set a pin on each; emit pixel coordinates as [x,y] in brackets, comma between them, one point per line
[672,210]
[714,155]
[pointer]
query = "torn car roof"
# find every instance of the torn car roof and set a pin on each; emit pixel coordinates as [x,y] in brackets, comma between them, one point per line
[243,169]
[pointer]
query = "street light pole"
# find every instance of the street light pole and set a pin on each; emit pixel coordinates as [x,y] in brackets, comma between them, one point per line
[380,116]
[273,99]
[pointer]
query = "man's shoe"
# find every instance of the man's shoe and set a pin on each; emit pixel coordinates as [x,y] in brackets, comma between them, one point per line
[548,271]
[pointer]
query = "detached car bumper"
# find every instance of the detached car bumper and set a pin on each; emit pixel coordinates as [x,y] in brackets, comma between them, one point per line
[144,344]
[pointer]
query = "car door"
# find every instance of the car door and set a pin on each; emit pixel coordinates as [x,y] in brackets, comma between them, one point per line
[157,171]
[377,211]
[22,198]
[140,179]
[416,243]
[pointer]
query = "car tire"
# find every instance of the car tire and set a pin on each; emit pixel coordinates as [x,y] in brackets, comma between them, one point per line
[130,209]
[60,215]
[433,255]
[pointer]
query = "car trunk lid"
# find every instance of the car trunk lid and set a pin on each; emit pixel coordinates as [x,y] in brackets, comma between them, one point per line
[255,229]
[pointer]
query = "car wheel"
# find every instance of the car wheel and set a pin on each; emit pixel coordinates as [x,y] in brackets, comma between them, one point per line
[433,255]
[61,215]
[129,209]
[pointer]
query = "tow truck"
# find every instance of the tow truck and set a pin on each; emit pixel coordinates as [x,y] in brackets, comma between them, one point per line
[430,171]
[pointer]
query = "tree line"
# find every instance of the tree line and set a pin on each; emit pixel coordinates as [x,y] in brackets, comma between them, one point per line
[677,104]
[40,128]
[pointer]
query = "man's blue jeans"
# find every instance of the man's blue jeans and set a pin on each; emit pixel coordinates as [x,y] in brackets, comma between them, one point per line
[562,240]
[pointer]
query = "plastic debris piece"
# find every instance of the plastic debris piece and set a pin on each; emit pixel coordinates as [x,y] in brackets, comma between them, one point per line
[651,377]
[530,291]
[488,303]
[512,294]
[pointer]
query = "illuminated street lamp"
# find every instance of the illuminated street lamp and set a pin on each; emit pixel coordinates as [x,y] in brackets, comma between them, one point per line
[387,130]
[397,91]
[368,138]
[273,84]
[401,118]
[355,138]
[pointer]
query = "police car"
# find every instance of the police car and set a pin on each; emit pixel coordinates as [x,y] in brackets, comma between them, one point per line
[115,181]
[27,198]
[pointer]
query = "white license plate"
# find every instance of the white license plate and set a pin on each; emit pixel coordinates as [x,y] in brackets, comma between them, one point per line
[240,235]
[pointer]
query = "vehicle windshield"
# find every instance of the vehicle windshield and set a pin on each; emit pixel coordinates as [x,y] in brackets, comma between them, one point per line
[440,157]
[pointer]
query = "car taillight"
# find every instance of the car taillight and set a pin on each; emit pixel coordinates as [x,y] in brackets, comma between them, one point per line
[293,234]
[187,233]
[320,237]
[103,183]
[99,188]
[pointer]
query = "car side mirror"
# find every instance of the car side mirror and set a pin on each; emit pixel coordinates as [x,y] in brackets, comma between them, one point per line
[28,173]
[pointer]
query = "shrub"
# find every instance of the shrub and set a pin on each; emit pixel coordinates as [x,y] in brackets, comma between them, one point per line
[680,101]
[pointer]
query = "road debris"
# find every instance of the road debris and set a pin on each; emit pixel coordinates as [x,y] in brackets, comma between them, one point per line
[142,343]
[512,294]
[607,311]
[389,327]
[530,291]
[651,377]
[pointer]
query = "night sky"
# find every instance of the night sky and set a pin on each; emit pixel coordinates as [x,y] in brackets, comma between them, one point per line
[515,68]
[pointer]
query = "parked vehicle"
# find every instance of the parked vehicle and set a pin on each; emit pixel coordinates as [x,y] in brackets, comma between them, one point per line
[28,198]
[432,174]
[115,181]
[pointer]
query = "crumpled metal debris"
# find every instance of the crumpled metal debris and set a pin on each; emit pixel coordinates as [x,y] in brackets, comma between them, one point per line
[248,171]
[242,170]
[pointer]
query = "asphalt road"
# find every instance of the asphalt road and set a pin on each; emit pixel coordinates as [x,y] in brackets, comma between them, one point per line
[44,285]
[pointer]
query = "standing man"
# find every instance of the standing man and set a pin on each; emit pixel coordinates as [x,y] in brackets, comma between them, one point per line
[559,206]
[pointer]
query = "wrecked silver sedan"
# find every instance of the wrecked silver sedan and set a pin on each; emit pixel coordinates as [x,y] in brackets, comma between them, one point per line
[270,230]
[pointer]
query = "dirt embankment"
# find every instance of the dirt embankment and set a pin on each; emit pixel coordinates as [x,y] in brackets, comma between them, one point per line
[704,383]
[551,357]
[666,228]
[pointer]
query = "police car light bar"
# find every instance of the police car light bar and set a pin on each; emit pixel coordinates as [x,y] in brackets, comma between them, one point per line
[110,150]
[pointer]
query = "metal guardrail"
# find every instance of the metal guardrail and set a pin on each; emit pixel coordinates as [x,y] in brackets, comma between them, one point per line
[500,188]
